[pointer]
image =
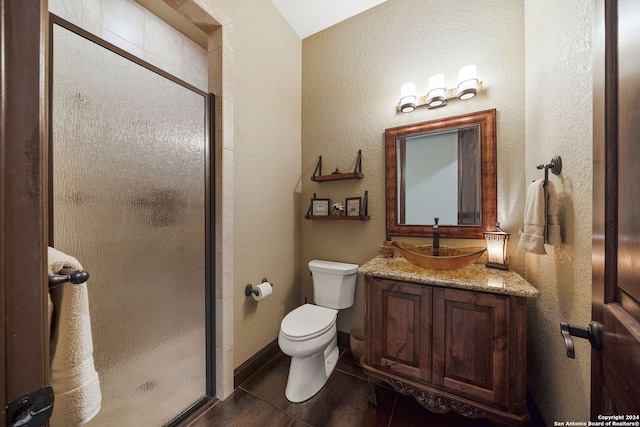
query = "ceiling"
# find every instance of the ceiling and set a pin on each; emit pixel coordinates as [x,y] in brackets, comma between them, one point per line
[308,17]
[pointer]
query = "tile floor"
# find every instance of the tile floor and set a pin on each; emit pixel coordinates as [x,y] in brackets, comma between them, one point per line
[260,401]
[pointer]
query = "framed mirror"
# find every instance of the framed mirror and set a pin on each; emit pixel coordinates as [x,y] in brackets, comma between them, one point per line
[443,168]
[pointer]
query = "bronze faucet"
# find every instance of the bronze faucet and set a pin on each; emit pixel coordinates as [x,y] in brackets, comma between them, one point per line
[436,234]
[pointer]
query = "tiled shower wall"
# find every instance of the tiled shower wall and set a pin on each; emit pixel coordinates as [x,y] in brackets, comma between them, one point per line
[133,28]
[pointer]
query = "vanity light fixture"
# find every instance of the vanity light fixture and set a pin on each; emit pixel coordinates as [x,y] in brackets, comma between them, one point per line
[408,97]
[497,248]
[467,82]
[437,92]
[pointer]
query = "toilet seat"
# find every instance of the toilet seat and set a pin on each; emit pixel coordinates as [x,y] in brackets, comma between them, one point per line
[308,321]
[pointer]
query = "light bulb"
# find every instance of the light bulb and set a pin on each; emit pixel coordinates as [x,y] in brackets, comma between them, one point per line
[408,97]
[468,81]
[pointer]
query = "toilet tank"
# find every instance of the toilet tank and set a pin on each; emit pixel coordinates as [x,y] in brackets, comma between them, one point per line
[334,283]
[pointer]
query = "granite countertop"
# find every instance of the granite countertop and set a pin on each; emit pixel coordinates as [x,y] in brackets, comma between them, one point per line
[475,277]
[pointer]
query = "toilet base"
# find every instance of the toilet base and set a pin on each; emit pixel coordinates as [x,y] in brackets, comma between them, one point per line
[307,375]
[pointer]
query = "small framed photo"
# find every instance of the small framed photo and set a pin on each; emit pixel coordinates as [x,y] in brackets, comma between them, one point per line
[319,207]
[353,206]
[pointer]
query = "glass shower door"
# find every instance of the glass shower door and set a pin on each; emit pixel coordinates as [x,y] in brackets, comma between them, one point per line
[129,169]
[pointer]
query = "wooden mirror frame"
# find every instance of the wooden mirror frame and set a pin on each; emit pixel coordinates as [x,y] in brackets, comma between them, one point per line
[487,121]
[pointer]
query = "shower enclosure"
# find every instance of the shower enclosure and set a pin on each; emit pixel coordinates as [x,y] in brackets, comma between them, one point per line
[130,197]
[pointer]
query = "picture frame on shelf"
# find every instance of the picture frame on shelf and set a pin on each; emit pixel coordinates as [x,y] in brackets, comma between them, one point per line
[320,207]
[353,206]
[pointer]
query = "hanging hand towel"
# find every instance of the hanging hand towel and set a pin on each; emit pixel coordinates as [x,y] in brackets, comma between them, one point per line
[75,382]
[532,238]
[553,216]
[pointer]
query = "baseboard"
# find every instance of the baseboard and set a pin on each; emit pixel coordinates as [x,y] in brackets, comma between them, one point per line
[255,362]
[344,339]
[535,415]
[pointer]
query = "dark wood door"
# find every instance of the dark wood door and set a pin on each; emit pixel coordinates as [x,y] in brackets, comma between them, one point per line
[616,211]
[23,198]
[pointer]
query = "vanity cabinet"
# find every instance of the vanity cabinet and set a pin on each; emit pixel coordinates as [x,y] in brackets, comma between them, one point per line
[452,349]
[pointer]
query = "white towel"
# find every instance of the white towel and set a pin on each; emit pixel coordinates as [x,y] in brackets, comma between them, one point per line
[532,238]
[75,382]
[553,216]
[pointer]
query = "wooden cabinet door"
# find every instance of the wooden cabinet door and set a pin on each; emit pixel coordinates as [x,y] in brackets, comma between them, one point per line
[471,344]
[400,341]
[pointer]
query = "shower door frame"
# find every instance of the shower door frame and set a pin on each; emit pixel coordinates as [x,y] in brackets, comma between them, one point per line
[209,176]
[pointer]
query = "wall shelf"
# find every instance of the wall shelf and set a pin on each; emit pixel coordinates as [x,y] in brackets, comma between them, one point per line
[338,176]
[364,212]
[338,217]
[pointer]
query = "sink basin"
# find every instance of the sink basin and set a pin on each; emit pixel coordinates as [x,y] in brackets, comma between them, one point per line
[438,258]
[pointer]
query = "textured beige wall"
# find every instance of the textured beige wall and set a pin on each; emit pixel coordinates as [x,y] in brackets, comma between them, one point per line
[559,122]
[266,97]
[352,74]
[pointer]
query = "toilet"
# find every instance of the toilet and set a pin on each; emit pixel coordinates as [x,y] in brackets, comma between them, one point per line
[309,335]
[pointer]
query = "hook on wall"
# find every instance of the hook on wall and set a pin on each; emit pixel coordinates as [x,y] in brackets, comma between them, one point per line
[555,166]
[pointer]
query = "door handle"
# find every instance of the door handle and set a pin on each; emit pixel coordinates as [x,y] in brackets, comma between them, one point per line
[32,409]
[591,332]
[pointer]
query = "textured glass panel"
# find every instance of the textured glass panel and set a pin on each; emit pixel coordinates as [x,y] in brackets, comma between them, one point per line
[129,174]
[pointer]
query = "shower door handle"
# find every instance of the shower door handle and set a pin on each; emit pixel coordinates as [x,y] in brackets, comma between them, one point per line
[68,275]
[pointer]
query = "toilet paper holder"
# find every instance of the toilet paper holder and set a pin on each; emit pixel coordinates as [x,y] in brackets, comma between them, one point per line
[248,290]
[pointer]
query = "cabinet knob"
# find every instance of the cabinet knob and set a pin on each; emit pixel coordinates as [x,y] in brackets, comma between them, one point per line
[592,333]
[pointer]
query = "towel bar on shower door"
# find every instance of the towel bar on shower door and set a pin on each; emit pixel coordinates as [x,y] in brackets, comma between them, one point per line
[68,275]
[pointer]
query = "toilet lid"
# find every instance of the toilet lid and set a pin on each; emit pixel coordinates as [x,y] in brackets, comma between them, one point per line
[308,321]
